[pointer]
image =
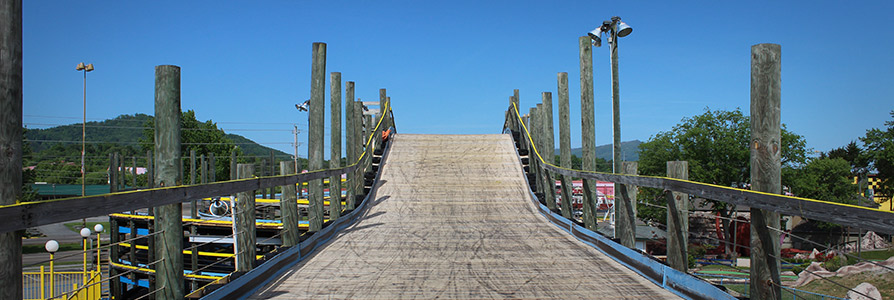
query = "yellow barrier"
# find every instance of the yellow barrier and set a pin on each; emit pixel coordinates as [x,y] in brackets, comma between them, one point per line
[37,285]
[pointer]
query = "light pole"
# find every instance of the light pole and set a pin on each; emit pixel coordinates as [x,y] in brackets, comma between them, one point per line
[85,234]
[615,29]
[98,228]
[85,68]
[52,246]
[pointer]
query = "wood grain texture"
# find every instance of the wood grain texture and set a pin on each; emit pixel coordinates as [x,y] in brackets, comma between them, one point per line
[453,219]
[335,142]
[625,209]
[246,233]
[10,142]
[766,166]
[169,241]
[350,144]
[588,128]
[678,219]
[315,137]
[288,207]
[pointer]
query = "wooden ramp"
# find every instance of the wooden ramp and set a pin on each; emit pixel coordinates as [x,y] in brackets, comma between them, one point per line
[453,219]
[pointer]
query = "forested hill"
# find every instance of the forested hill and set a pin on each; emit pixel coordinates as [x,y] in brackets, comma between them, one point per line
[124,131]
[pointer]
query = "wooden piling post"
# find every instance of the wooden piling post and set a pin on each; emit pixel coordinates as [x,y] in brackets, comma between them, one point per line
[315,136]
[193,213]
[625,208]
[168,222]
[233,164]
[192,180]
[211,168]
[565,145]
[383,99]
[246,238]
[133,171]
[766,166]
[677,219]
[350,143]
[335,144]
[358,151]
[150,170]
[531,123]
[113,174]
[549,151]
[288,203]
[11,143]
[588,129]
[272,190]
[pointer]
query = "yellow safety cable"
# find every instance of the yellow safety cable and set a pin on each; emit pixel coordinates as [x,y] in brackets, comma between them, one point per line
[515,110]
[369,141]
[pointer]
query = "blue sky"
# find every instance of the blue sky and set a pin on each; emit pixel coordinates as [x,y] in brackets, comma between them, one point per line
[450,66]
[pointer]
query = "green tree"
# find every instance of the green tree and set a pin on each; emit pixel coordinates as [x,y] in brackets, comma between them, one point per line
[879,145]
[203,137]
[716,145]
[824,178]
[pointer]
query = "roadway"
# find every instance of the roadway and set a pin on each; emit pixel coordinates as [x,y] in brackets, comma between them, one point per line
[453,219]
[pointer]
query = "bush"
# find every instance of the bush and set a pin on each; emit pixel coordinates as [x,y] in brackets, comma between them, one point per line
[834,263]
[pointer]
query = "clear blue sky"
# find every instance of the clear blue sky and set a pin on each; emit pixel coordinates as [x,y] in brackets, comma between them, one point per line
[451,66]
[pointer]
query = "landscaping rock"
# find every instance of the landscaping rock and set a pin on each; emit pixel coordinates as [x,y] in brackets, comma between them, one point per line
[864,289]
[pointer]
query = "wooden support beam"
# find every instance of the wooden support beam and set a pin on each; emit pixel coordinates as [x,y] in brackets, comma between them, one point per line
[315,136]
[133,171]
[533,128]
[193,209]
[677,219]
[11,143]
[588,129]
[288,204]
[549,148]
[271,192]
[766,166]
[335,144]
[246,237]
[212,169]
[625,209]
[113,174]
[565,145]
[169,242]
[350,144]
[233,164]
[150,170]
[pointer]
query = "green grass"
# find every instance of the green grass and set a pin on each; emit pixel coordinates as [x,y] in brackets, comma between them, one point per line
[884,283]
[877,254]
[29,249]
[76,226]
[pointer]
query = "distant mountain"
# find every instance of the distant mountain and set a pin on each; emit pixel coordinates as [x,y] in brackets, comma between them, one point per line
[125,131]
[251,148]
[629,151]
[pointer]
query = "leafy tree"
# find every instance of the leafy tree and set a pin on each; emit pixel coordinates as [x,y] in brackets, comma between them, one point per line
[203,137]
[824,178]
[856,158]
[716,145]
[28,194]
[880,154]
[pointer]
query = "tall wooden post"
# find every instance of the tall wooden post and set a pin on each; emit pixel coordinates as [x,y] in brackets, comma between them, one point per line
[192,180]
[350,143]
[588,129]
[625,204]
[133,171]
[383,99]
[565,145]
[315,136]
[113,174]
[335,144]
[677,219]
[549,151]
[150,170]
[534,162]
[358,150]
[233,164]
[168,223]
[11,142]
[245,222]
[271,192]
[289,205]
[766,98]
[212,169]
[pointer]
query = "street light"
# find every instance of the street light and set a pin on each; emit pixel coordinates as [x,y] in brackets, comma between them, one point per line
[98,228]
[614,28]
[52,246]
[85,234]
[85,68]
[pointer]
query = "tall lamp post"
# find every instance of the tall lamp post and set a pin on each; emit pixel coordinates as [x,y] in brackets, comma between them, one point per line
[85,234]
[85,68]
[614,29]
[52,246]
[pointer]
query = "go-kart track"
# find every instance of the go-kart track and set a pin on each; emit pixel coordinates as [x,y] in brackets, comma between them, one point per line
[452,218]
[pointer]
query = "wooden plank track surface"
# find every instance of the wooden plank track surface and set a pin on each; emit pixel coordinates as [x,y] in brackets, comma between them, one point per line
[453,219]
